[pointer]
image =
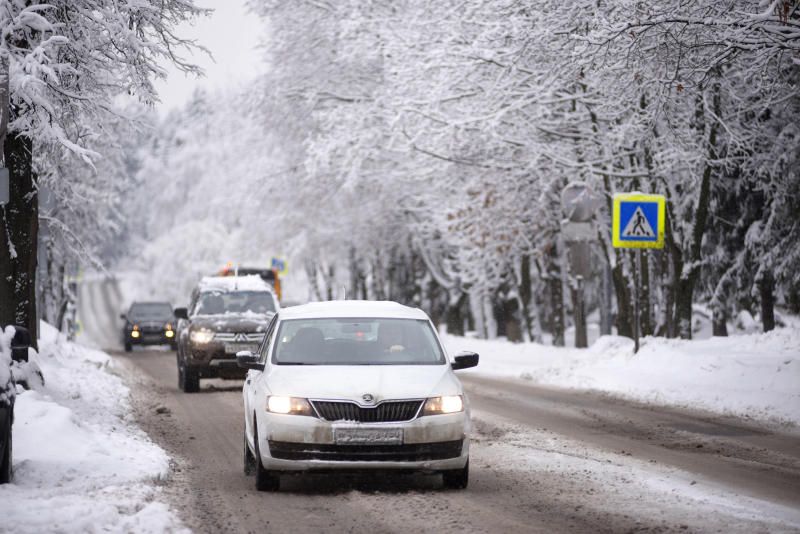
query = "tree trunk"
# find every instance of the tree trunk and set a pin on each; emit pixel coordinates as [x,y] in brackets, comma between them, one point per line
[719,322]
[22,225]
[6,247]
[455,315]
[624,312]
[689,278]
[766,292]
[555,285]
[525,292]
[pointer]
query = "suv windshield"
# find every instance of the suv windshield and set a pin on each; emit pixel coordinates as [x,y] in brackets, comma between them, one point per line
[156,311]
[222,302]
[357,342]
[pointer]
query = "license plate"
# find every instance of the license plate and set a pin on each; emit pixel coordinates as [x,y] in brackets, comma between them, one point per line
[233,348]
[368,436]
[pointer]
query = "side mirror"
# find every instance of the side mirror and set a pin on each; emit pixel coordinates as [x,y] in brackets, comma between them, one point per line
[181,313]
[464,360]
[123,316]
[247,360]
[20,344]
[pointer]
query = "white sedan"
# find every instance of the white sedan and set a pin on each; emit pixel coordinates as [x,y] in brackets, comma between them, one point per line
[354,385]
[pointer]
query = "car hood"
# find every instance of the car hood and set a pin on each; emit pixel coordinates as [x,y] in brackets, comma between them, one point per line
[232,322]
[351,382]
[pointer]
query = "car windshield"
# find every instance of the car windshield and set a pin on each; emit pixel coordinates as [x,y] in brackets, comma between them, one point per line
[222,302]
[359,341]
[156,311]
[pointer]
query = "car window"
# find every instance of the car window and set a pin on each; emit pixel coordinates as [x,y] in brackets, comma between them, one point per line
[264,349]
[156,311]
[357,341]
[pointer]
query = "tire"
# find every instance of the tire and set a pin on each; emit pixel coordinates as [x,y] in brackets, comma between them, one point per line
[249,459]
[456,478]
[5,461]
[128,347]
[265,480]
[188,381]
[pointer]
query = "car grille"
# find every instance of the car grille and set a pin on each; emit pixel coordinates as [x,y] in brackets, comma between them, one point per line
[231,337]
[412,452]
[385,412]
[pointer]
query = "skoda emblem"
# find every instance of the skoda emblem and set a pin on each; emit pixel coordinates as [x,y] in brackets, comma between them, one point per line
[369,399]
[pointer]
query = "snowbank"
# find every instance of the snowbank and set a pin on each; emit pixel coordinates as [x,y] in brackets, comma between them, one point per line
[80,462]
[755,375]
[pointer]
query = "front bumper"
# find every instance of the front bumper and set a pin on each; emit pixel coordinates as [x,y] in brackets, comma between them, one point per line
[300,443]
[211,361]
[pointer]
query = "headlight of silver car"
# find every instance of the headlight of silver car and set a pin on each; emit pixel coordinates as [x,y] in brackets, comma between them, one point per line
[442,405]
[201,337]
[289,405]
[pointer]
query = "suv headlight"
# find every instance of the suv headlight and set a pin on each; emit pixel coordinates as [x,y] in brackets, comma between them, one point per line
[289,405]
[442,405]
[201,337]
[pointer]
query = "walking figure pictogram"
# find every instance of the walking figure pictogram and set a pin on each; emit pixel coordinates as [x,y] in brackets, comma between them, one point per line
[638,226]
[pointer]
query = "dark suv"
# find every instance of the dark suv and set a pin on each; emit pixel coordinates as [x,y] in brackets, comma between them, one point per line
[148,323]
[226,315]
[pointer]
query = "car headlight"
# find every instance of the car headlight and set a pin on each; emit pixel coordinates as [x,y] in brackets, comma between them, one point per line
[441,405]
[201,336]
[289,405]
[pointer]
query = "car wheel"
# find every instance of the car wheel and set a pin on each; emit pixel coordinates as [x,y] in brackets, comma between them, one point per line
[456,478]
[188,381]
[249,459]
[5,461]
[265,480]
[128,347]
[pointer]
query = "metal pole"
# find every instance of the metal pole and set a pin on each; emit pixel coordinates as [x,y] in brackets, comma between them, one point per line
[636,273]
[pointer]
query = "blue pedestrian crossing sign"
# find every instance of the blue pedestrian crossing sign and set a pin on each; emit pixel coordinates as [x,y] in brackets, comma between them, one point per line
[638,220]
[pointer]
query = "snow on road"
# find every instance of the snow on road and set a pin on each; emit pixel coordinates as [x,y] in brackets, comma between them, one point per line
[662,497]
[755,375]
[80,462]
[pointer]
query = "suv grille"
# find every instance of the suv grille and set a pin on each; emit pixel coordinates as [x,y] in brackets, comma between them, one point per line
[385,412]
[230,337]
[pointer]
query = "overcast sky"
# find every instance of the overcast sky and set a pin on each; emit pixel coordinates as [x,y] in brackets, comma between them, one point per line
[231,34]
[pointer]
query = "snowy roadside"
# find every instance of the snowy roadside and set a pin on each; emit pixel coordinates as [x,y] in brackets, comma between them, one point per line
[80,462]
[609,483]
[754,375]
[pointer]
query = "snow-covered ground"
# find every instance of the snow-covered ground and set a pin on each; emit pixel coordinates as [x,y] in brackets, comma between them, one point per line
[754,375]
[80,462]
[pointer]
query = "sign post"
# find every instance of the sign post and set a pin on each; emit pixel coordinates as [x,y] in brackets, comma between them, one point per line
[638,221]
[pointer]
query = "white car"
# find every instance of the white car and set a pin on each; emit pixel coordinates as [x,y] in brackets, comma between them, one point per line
[354,385]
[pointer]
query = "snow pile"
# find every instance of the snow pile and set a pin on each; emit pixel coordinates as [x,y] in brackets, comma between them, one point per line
[755,375]
[80,463]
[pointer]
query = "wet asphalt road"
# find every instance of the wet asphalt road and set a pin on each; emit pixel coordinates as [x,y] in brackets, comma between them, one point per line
[543,460]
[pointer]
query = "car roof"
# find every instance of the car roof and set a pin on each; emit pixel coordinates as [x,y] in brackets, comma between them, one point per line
[251,282]
[352,308]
